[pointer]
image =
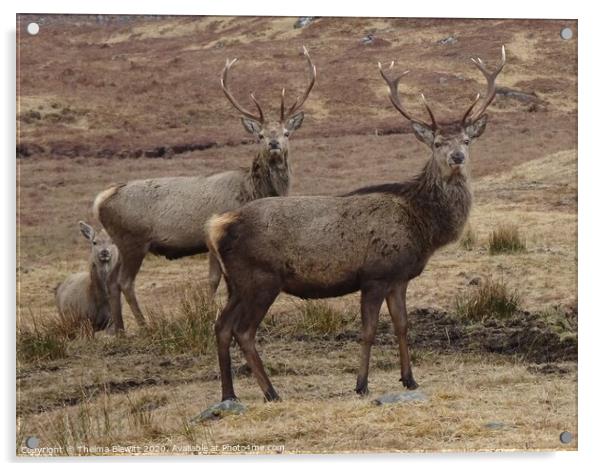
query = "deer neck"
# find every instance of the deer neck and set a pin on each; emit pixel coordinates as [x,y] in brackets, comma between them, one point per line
[441,205]
[99,274]
[269,179]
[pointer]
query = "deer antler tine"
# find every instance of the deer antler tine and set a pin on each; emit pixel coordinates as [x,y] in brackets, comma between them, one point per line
[490,77]
[299,101]
[282,104]
[261,119]
[430,112]
[231,98]
[470,108]
[393,84]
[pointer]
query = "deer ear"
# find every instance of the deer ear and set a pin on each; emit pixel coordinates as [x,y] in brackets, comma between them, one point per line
[252,126]
[295,121]
[87,230]
[423,133]
[477,128]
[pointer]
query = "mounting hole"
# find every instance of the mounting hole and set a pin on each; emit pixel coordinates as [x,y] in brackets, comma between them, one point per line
[33,28]
[566,437]
[566,33]
[32,442]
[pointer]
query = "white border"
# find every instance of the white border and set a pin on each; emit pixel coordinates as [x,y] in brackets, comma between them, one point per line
[589,196]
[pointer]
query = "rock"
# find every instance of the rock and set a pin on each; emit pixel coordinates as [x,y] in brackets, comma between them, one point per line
[495,425]
[448,40]
[475,281]
[220,410]
[406,396]
[368,39]
[303,21]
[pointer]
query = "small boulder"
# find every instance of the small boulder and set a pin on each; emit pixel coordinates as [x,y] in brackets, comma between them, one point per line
[448,40]
[220,410]
[406,396]
[303,21]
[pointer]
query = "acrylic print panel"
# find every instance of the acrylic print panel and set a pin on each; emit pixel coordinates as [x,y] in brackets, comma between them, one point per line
[116,346]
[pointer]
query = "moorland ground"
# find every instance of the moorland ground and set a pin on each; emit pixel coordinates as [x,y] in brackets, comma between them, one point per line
[110,99]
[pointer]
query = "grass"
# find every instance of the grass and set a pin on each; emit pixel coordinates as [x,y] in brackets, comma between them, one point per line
[190,329]
[506,239]
[47,338]
[320,318]
[490,299]
[468,241]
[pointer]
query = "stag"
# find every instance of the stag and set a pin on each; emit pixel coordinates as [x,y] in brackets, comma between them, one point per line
[84,296]
[373,240]
[165,216]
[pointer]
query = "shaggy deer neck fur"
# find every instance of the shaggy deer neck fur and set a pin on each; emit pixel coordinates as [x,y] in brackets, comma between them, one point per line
[270,179]
[441,205]
[438,207]
[99,274]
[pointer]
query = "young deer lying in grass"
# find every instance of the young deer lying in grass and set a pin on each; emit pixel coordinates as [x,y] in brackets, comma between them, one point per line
[84,296]
[375,240]
[163,215]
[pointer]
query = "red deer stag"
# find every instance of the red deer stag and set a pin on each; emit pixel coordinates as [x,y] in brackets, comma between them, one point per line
[375,240]
[163,215]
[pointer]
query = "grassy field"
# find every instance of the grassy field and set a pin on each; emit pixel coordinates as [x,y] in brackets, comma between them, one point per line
[101,96]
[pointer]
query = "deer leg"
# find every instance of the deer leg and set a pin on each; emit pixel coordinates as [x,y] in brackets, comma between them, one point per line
[127,277]
[244,332]
[396,302]
[223,333]
[371,300]
[115,300]
[215,274]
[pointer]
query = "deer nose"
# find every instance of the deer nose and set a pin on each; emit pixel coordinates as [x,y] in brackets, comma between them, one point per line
[458,157]
[105,253]
[274,144]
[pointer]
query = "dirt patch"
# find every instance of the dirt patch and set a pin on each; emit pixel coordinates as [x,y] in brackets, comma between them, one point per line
[526,334]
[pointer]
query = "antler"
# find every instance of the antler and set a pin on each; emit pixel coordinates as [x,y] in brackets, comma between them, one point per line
[284,115]
[490,77]
[393,84]
[245,112]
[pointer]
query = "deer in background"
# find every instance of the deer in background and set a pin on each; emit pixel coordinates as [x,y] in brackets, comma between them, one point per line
[166,216]
[84,296]
[375,240]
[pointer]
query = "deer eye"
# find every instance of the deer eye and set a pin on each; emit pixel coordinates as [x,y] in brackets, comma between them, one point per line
[261,136]
[94,242]
[467,141]
[438,144]
[286,134]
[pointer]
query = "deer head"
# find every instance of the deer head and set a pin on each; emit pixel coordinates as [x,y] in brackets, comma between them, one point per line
[272,135]
[104,253]
[449,141]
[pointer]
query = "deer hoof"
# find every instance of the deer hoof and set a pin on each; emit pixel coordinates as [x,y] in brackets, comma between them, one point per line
[409,383]
[363,390]
[271,396]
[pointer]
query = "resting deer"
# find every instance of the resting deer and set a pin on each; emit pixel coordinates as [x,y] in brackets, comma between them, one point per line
[84,295]
[165,216]
[375,240]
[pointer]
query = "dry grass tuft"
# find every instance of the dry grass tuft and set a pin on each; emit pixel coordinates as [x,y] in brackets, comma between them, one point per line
[190,329]
[141,414]
[506,239]
[320,318]
[468,241]
[490,299]
[47,338]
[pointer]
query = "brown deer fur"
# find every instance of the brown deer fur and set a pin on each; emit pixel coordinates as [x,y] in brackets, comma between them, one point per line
[84,295]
